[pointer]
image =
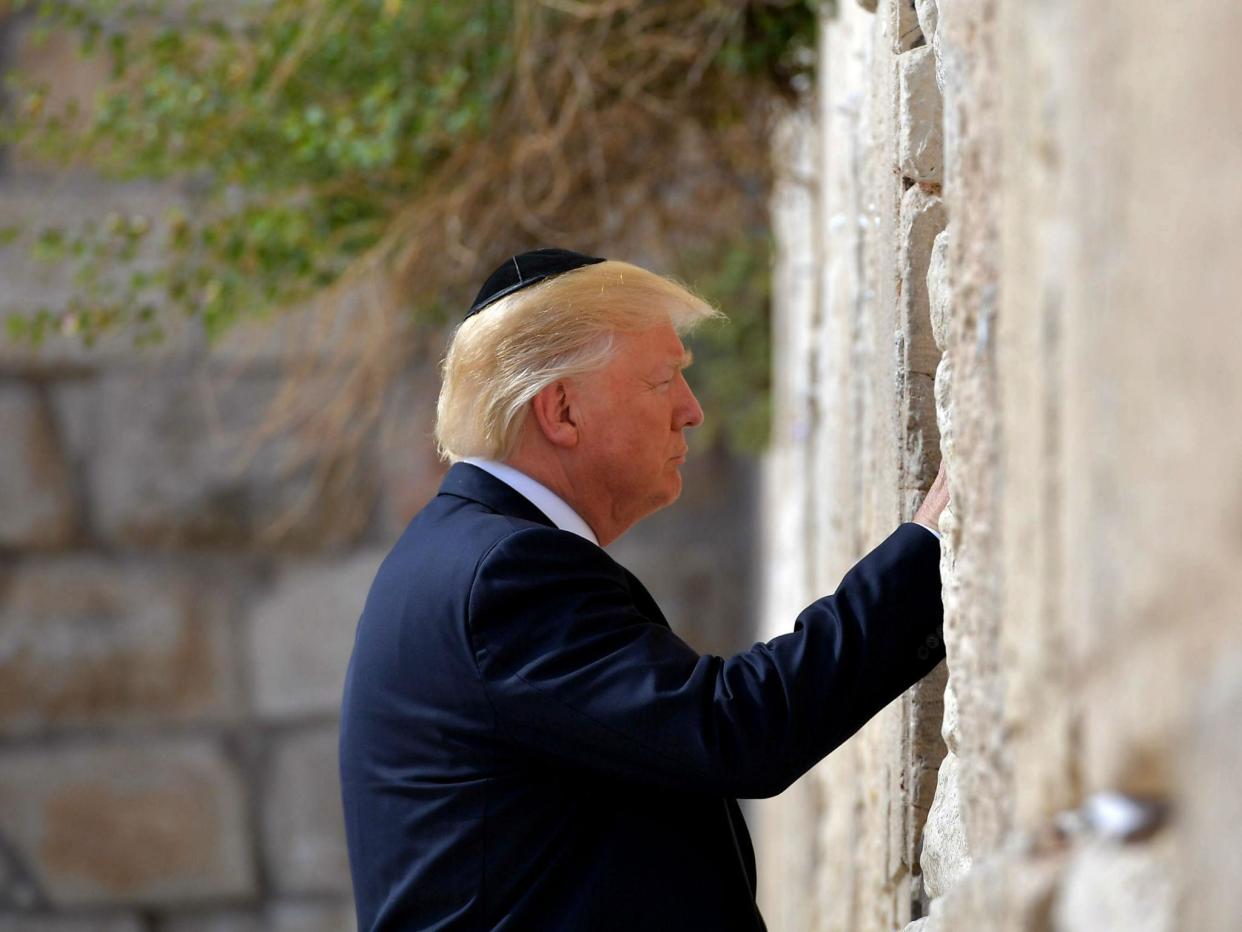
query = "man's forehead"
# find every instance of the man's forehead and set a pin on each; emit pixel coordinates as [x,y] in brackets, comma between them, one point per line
[665,353]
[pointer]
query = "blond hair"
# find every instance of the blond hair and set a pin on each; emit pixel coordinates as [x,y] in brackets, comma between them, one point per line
[502,357]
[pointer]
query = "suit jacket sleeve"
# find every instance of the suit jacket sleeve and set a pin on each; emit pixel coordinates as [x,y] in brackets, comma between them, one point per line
[575,671]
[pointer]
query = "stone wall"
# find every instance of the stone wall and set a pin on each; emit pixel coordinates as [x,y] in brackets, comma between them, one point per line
[1031,210]
[170,670]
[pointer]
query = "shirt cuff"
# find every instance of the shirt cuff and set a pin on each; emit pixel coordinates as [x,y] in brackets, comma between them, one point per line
[927,529]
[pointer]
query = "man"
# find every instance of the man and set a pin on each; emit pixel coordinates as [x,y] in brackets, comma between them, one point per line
[525,744]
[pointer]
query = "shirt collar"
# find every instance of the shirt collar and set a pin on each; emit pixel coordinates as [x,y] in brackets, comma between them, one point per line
[538,494]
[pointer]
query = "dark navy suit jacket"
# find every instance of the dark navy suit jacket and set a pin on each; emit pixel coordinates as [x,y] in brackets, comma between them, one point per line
[526,745]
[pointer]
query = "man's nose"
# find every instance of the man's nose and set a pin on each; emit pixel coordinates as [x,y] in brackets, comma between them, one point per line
[688,412]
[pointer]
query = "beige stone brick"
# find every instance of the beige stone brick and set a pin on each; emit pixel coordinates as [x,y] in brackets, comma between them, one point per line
[91,642]
[946,857]
[922,220]
[920,134]
[939,290]
[116,824]
[304,829]
[301,632]
[171,460]
[35,486]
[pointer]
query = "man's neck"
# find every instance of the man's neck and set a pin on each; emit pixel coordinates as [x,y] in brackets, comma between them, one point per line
[550,471]
[550,501]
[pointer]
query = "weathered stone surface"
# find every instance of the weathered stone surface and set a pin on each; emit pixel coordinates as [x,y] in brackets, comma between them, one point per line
[36,495]
[1012,890]
[116,824]
[1119,888]
[939,290]
[172,458]
[88,641]
[903,25]
[304,830]
[1089,558]
[946,858]
[948,730]
[1206,768]
[301,632]
[923,218]
[920,133]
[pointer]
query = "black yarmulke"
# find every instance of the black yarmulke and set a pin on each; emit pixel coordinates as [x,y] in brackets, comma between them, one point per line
[524,269]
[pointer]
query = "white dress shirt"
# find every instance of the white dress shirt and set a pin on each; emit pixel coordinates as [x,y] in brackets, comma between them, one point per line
[538,494]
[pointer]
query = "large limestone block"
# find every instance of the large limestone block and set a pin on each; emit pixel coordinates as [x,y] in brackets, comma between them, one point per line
[301,632]
[939,290]
[36,495]
[944,412]
[920,133]
[173,457]
[923,218]
[304,832]
[92,642]
[117,824]
[948,730]
[946,857]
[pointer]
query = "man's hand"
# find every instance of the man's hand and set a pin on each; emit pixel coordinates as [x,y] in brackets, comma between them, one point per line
[928,514]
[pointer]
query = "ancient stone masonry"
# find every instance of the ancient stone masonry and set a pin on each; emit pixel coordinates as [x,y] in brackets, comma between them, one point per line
[1037,201]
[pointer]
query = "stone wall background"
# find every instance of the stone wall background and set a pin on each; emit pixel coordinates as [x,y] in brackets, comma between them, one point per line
[1045,191]
[170,671]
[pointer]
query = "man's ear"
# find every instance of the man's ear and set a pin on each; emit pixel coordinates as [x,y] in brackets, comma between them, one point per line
[555,415]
